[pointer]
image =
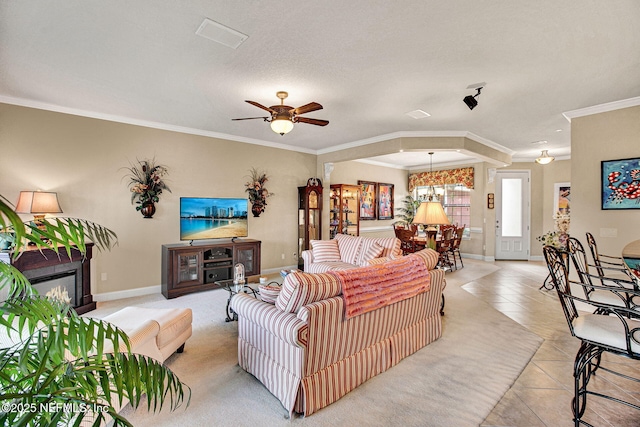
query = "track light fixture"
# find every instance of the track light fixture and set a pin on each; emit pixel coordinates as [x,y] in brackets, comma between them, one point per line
[471,100]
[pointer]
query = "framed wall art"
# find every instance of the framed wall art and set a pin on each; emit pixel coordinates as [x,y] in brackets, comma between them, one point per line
[385,201]
[367,200]
[561,197]
[620,181]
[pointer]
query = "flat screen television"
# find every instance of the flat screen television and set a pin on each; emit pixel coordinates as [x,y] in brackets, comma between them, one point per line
[213,218]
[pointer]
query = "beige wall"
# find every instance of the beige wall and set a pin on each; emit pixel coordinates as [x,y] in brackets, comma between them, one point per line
[594,138]
[81,159]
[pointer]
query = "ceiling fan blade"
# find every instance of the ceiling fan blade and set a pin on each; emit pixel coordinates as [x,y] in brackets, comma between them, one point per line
[316,122]
[261,106]
[251,118]
[312,106]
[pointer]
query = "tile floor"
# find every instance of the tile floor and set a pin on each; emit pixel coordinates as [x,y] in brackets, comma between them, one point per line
[542,395]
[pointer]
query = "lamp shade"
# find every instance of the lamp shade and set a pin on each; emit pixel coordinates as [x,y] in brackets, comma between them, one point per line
[281,125]
[38,202]
[431,213]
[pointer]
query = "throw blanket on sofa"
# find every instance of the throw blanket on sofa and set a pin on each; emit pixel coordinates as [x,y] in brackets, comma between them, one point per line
[369,288]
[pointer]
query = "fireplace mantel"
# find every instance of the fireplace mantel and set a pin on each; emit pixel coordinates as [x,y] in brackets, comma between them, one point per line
[34,259]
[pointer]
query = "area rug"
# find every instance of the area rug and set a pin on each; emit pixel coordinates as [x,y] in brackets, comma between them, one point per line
[454,381]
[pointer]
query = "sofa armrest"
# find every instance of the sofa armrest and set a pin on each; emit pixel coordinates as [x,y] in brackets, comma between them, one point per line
[307,256]
[285,326]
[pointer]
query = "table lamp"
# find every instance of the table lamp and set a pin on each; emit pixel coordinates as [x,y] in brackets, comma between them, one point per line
[38,203]
[430,214]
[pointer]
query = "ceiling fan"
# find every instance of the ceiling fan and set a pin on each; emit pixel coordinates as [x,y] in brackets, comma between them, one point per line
[283,116]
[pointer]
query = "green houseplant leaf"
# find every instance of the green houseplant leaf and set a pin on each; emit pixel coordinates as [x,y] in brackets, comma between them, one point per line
[56,367]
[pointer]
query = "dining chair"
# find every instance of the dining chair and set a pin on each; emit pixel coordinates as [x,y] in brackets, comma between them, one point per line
[610,329]
[406,236]
[600,261]
[455,246]
[615,288]
[443,247]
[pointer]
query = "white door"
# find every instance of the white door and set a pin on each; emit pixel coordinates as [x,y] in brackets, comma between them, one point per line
[512,215]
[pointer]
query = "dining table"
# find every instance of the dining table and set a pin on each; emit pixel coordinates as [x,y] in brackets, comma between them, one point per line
[631,257]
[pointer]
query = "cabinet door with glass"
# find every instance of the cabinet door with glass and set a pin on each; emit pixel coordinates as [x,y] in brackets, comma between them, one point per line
[188,269]
[249,256]
[344,210]
[309,215]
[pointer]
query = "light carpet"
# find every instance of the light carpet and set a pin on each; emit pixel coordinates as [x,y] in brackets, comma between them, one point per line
[454,381]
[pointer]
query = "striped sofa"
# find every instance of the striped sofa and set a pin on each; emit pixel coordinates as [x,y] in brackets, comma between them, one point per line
[346,252]
[309,354]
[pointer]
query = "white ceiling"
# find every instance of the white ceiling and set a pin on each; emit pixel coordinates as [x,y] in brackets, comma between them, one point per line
[368,62]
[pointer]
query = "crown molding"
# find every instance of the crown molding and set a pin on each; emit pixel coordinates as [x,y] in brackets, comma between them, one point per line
[145,123]
[602,108]
[417,134]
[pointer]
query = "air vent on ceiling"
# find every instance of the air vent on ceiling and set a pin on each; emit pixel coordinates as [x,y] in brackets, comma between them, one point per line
[418,114]
[222,34]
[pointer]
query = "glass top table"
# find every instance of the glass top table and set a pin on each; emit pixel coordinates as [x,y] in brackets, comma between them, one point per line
[251,287]
[631,257]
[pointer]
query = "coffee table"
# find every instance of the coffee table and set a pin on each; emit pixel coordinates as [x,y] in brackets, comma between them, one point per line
[250,287]
[229,286]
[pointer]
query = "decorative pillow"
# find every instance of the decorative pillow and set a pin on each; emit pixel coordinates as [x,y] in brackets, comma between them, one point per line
[300,289]
[429,256]
[390,245]
[349,247]
[368,251]
[325,250]
[269,293]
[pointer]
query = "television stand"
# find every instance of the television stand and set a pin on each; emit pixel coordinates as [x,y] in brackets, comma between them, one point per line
[188,268]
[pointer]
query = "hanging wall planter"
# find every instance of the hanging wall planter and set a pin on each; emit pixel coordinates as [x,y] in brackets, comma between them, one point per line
[258,193]
[146,184]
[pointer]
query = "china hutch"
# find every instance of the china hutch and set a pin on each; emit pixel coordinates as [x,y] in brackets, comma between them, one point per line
[309,215]
[344,210]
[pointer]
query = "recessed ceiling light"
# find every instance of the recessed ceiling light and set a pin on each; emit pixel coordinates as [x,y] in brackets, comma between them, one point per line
[558,130]
[540,142]
[220,33]
[418,114]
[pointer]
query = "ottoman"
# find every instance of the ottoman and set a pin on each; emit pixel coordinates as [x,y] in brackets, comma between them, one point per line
[154,332]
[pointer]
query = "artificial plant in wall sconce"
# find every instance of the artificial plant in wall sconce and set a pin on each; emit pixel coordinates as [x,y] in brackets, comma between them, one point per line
[146,185]
[258,193]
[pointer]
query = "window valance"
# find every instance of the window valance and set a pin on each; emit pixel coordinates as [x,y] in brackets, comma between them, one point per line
[462,176]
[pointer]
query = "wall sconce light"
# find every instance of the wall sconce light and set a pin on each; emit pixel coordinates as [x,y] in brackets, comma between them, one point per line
[545,158]
[471,100]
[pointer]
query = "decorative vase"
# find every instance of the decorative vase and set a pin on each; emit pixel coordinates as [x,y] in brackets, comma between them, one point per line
[148,209]
[257,208]
[563,238]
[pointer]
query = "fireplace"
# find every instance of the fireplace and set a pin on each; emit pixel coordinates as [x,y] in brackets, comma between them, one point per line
[47,270]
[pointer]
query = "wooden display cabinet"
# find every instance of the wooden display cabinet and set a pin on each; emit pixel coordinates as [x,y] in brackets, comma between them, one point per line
[344,210]
[309,215]
[187,269]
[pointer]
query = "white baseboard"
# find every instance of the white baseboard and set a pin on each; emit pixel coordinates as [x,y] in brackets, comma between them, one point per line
[129,293]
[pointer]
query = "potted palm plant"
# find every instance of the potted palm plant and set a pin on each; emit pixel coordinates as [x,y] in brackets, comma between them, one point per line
[53,370]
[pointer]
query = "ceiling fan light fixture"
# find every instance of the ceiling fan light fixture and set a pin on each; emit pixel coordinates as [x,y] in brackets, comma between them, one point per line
[545,158]
[281,125]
